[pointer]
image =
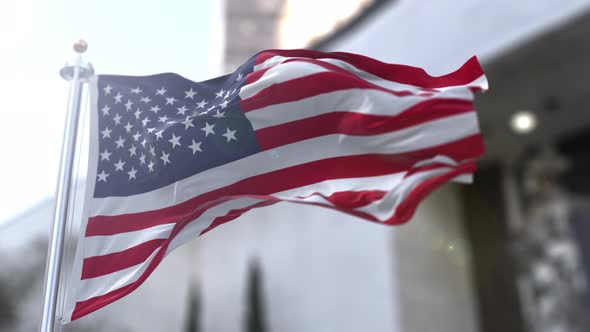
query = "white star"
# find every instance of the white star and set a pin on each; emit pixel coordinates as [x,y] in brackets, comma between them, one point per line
[170,101]
[132,173]
[152,150]
[182,110]
[190,93]
[224,104]
[102,176]
[128,127]
[145,99]
[128,104]
[105,110]
[155,109]
[196,146]
[219,115]
[117,119]
[142,159]
[119,165]
[239,77]
[230,134]
[120,142]
[226,95]
[164,158]
[159,134]
[144,142]
[202,104]
[208,129]
[175,140]
[105,155]
[161,91]
[187,123]
[163,119]
[107,89]
[220,93]
[145,121]
[118,98]
[132,150]
[136,136]
[136,90]
[137,113]
[106,133]
[151,130]
[151,166]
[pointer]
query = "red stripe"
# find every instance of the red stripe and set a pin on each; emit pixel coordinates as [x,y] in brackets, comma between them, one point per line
[99,225]
[467,73]
[309,86]
[237,213]
[349,123]
[101,265]
[255,76]
[351,199]
[405,210]
[289,178]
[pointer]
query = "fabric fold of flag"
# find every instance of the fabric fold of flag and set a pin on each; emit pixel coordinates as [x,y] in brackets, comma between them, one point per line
[171,159]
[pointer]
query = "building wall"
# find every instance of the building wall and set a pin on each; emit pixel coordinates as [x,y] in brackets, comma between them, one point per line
[433,267]
[440,35]
[431,256]
[323,271]
[250,26]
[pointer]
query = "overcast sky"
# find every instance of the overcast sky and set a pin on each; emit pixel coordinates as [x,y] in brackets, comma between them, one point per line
[125,37]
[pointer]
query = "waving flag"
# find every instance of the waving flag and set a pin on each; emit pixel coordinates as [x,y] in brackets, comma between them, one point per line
[171,159]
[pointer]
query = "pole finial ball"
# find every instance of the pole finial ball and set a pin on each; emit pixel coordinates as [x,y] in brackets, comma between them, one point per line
[80,46]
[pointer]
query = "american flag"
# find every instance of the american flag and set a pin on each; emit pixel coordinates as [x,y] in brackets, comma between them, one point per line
[171,159]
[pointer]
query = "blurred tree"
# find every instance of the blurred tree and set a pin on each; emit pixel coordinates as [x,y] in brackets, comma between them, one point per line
[194,310]
[7,306]
[19,274]
[255,317]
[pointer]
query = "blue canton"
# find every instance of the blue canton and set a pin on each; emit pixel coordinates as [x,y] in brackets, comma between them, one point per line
[156,130]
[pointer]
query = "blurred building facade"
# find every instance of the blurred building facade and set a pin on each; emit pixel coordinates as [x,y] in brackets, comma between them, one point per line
[461,262]
[508,253]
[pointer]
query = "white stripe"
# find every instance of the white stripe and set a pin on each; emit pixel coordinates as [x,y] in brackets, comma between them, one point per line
[386,207]
[108,244]
[464,178]
[329,187]
[362,101]
[198,225]
[438,159]
[428,134]
[283,73]
[311,199]
[276,61]
[89,288]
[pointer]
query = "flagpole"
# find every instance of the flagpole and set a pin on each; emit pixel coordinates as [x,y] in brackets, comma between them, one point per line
[76,72]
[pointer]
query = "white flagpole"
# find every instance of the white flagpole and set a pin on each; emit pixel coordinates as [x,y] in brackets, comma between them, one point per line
[76,72]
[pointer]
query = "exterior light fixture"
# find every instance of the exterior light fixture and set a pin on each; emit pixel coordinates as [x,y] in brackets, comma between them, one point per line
[523,122]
